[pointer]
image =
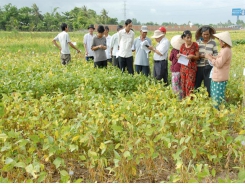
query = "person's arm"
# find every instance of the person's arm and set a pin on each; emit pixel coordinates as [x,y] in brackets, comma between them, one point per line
[99,47]
[220,60]
[55,43]
[119,39]
[112,43]
[85,44]
[132,39]
[215,50]
[163,49]
[73,46]
[157,52]
[196,56]
[171,57]
[96,47]
[133,46]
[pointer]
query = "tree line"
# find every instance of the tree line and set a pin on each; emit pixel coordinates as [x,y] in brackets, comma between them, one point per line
[32,19]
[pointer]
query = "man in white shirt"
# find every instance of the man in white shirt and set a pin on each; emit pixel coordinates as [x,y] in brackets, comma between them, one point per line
[114,47]
[64,40]
[126,40]
[108,44]
[87,42]
[160,57]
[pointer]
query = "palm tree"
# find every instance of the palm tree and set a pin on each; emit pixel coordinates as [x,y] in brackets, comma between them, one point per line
[35,10]
[85,11]
[36,13]
[104,16]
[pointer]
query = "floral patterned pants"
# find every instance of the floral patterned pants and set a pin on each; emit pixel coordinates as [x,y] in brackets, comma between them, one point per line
[218,92]
[188,79]
[176,86]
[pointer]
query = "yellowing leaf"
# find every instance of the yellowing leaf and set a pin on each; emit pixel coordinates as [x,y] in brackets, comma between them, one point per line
[75,138]
[30,169]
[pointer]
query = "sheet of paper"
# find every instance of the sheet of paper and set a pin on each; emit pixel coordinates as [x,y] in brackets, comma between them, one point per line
[183,60]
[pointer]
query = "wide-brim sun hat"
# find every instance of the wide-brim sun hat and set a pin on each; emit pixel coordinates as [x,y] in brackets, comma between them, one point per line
[225,37]
[176,42]
[158,34]
[199,34]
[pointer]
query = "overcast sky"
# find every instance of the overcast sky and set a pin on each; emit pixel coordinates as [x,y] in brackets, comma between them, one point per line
[177,11]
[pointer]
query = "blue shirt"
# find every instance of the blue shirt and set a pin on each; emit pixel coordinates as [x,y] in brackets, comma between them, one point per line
[141,56]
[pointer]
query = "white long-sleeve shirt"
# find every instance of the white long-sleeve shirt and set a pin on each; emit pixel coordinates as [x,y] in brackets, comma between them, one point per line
[125,41]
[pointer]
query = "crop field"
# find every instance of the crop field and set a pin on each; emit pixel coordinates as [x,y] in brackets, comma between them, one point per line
[76,123]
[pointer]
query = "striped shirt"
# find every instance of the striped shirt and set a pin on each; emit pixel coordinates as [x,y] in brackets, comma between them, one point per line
[209,48]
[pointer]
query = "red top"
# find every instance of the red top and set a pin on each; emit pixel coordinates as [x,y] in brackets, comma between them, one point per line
[175,67]
[187,51]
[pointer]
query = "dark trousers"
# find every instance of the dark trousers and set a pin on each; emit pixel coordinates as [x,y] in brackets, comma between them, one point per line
[126,62]
[88,58]
[144,69]
[109,60]
[100,64]
[203,74]
[115,61]
[160,70]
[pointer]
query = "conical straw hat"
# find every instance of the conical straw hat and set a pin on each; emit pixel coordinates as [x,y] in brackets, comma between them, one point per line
[176,42]
[225,37]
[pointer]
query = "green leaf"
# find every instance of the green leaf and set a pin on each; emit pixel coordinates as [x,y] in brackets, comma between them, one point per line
[126,154]
[138,141]
[83,158]
[213,172]
[117,128]
[64,173]
[117,146]
[30,169]
[3,136]
[20,164]
[182,140]
[116,155]
[241,175]
[9,161]
[73,147]
[194,152]
[42,177]
[57,162]
[80,180]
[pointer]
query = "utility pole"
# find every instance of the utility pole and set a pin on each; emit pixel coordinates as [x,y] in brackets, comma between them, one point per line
[124,10]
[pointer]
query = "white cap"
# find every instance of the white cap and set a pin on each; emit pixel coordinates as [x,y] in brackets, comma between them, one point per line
[144,29]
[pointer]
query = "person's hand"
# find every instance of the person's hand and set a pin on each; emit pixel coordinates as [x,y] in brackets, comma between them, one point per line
[86,53]
[202,55]
[190,56]
[208,56]
[178,55]
[151,48]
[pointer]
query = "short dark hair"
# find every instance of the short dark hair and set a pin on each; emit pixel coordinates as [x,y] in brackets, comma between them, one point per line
[186,33]
[107,28]
[128,21]
[63,26]
[101,29]
[205,28]
[119,27]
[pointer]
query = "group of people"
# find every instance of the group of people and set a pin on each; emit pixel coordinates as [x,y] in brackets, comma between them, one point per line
[204,62]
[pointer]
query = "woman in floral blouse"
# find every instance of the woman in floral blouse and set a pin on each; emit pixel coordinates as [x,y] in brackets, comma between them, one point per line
[188,73]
